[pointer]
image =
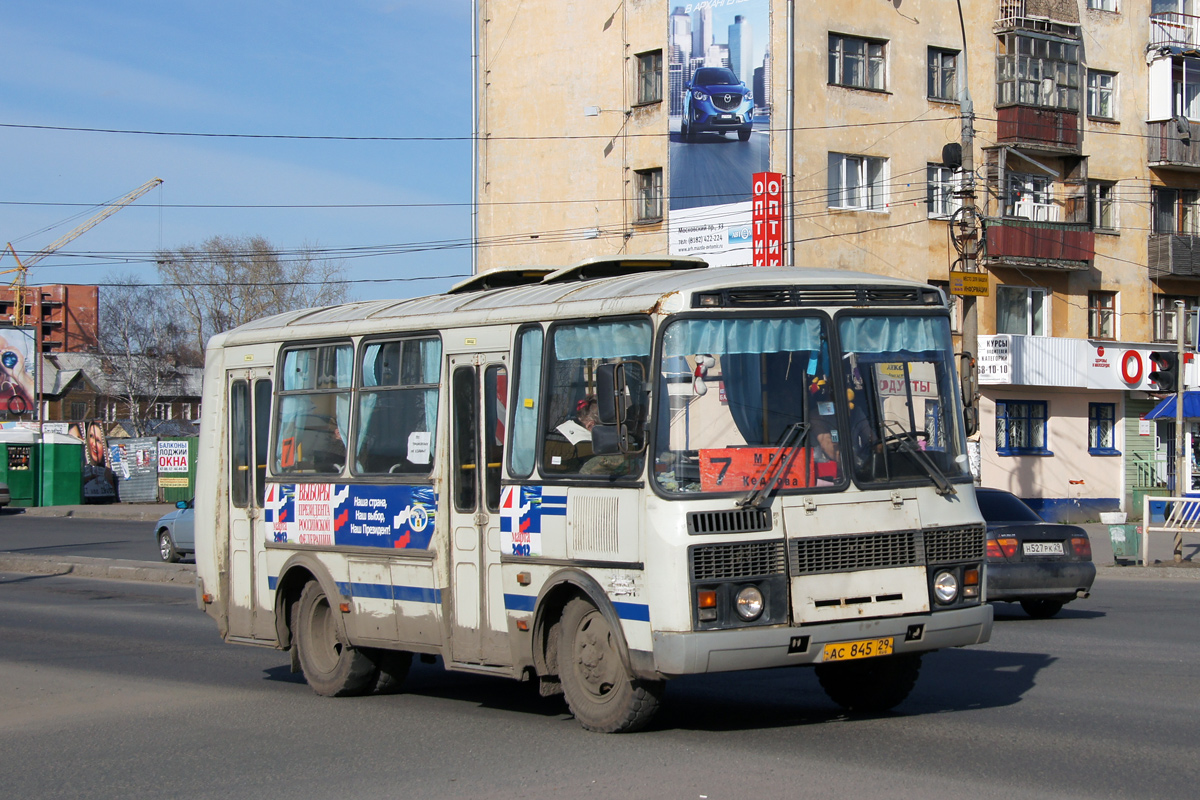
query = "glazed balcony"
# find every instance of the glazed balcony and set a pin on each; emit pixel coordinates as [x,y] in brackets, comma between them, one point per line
[1174,255]
[1038,128]
[1039,245]
[1172,29]
[1171,144]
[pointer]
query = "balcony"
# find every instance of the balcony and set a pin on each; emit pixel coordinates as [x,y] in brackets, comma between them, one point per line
[1172,147]
[1038,128]
[1172,29]
[1039,245]
[1174,255]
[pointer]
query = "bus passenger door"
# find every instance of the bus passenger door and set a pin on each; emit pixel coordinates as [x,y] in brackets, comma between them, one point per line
[478,622]
[249,423]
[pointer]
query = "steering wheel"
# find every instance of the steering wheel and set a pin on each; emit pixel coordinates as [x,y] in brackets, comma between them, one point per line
[912,436]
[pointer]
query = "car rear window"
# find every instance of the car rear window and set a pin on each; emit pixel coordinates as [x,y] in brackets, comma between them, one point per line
[1005,507]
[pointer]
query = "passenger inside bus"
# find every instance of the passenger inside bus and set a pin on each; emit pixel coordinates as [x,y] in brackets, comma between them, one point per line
[569,444]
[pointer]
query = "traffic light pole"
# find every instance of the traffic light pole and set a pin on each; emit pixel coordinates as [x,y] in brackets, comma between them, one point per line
[1180,459]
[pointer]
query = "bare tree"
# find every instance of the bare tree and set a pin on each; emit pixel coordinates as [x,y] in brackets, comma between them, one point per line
[143,347]
[228,281]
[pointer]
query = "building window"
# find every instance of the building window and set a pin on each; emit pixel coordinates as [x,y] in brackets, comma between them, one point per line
[941,184]
[162,411]
[1165,322]
[1036,71]
[857,181]
[1175,210]
[855,62]
[186,411]
[649,187]
[1185,87]
[78,411]
[1021,428]
[1022,310]
[1101,429]
[1102,5]
[1102,205]
[943,75]
[1101,90]
[1102,315]
[649,67]
[1029,197]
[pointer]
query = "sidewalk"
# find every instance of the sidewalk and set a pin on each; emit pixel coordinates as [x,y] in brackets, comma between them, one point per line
[138,512]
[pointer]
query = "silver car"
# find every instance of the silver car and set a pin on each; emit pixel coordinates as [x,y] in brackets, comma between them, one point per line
[5,495]
[174,530]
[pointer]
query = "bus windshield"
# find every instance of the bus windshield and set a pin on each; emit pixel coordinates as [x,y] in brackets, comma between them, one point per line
[743,399]
[902,400]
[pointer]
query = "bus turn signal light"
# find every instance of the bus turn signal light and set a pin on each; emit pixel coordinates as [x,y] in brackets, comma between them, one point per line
[971,582]
[706,602]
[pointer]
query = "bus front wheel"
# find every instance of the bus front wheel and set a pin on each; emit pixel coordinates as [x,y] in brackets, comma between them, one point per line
[599,690]
[870,685]
[332,669]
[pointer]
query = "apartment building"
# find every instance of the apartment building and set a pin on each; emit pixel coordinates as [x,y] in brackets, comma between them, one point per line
[637,130]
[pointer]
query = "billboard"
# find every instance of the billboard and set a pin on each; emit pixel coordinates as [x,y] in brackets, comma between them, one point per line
[719,92]
[18,371]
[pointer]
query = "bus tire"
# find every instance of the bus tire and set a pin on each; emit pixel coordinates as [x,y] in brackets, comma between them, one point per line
[332,669]
[393,669]
[599,690]
[870,685]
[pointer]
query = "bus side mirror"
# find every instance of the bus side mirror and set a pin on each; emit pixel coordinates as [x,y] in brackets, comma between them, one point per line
[611,399]
[620,407]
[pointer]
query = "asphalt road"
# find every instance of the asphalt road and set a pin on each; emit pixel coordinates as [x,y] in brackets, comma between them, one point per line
[111,689]
[73,536]
[716,168]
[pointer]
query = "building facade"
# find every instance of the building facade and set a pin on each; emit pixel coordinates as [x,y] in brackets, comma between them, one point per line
[66,316]
[605,132]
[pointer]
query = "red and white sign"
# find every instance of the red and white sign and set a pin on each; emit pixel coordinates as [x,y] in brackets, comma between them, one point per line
[767,219]
[1127,366]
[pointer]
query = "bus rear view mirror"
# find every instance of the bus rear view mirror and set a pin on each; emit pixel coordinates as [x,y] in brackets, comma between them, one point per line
[611,398]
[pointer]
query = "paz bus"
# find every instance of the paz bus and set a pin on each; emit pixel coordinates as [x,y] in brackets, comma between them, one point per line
[596,479]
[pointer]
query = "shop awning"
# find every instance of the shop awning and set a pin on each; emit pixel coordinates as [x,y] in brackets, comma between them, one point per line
[1166,409]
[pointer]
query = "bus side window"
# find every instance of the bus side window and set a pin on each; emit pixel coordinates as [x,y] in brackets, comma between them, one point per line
[526,395]
[262,428]
[314,410]
[239,443]
[397,407]
[495,393]
[465,426]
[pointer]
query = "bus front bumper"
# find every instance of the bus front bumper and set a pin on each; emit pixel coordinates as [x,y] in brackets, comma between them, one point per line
[780,646]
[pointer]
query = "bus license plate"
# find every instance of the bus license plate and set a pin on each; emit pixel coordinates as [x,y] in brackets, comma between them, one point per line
[867,648]
[1043,548]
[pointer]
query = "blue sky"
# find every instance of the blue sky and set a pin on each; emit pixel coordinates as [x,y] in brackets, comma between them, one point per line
[355,68]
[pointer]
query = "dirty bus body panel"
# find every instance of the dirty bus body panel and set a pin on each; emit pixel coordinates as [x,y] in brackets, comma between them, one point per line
[598,478]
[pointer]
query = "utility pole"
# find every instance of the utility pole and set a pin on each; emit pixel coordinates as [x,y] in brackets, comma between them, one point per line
[1180,461]
[965,232]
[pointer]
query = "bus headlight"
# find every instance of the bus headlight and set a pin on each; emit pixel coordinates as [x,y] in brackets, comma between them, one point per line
[945,586]
[749,603]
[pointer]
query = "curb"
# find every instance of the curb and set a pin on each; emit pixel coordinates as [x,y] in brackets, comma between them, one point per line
[116,512]
[109,568]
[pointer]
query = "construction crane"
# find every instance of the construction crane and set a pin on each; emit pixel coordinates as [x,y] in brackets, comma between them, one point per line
[22,268]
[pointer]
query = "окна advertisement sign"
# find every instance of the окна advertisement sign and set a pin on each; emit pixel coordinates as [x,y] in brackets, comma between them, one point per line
[719,88]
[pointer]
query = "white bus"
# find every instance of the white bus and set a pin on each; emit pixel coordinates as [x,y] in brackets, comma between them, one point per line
[597,478]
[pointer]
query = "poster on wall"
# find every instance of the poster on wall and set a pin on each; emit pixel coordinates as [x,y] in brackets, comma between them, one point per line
[719,92]
[18,371]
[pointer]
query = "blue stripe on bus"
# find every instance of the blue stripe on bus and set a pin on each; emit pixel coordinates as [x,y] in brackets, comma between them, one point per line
[519,602]
[379,591]
[638,612]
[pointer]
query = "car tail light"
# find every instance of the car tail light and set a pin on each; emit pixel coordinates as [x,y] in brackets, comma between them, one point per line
[1082,546]
[1002,548]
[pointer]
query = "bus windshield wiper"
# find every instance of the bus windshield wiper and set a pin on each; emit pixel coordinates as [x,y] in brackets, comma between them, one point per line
[786,448]
[906,442]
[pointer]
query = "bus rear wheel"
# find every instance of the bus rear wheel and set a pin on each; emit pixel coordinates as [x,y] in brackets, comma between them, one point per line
[600,692]
[870,685]
[332,669]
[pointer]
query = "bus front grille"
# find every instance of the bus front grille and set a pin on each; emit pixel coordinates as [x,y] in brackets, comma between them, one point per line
[719,562]
[948,545]
[860,551]
[733,520]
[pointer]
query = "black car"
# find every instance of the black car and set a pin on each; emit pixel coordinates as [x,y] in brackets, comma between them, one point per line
[1039,564]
